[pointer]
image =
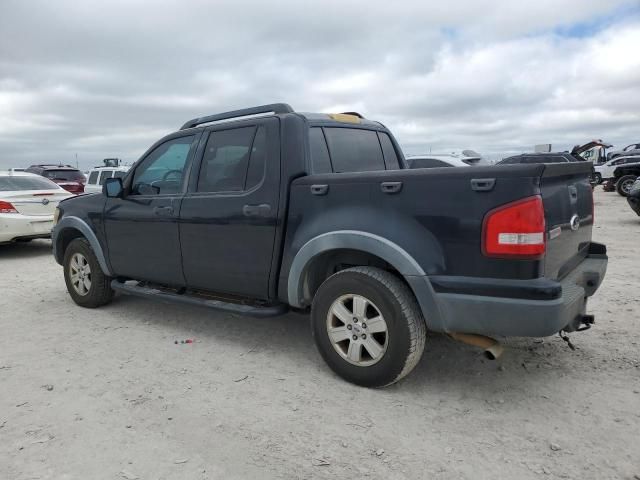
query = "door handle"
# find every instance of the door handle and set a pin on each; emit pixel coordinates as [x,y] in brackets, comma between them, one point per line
[319,189]
[262,210]
[391,187]
[163,211]
[482,184]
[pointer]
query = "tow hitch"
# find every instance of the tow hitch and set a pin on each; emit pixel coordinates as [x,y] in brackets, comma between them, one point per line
[584,322]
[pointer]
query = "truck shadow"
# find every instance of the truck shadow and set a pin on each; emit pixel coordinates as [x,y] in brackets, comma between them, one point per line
[528,364]
[35,248]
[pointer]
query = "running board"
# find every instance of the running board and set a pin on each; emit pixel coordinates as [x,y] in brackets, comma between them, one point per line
[133,288]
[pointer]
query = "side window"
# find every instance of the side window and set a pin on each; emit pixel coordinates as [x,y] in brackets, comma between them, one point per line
[104,175]
[354,150]
[320,161]
[119,174]
[390,156]
[93,177]
[226,160]
[161,171]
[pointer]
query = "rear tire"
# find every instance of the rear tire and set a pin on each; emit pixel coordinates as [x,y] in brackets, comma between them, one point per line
[624,184]
[373,355]
[88,286]
[597,177]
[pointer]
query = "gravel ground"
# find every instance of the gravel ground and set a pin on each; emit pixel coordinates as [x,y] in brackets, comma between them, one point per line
[93,394]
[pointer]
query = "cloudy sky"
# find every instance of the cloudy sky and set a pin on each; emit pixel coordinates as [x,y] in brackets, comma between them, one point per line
[108,78]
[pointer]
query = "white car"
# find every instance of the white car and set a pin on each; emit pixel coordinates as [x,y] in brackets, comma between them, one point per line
[27,205]
[606,170]
[98,175]
[437,161]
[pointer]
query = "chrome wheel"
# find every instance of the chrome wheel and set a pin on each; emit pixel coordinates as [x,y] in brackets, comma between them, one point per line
[80,274]
[626,185]
[357,330]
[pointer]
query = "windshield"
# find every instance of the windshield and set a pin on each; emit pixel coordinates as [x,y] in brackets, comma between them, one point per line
[11,184]
[70,175]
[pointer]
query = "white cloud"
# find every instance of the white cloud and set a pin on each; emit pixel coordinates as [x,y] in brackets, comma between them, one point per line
[106,79]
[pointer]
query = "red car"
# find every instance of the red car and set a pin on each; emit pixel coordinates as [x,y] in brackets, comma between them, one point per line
[68,177]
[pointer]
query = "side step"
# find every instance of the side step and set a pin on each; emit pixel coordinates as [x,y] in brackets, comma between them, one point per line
[134,288]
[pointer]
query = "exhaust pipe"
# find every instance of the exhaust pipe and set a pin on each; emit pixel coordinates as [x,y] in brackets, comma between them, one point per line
[492,348]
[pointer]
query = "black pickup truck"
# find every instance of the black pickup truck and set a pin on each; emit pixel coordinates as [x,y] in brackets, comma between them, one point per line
[262,210]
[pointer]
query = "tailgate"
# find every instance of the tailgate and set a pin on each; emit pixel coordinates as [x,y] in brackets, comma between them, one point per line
[568,207]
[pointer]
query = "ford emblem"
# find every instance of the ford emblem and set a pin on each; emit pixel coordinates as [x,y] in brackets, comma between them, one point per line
[45,201]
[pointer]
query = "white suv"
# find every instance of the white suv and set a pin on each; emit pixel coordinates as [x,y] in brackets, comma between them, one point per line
[98,175]
[606,170]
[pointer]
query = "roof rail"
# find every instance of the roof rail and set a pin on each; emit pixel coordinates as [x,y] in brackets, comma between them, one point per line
[355,114]
[245,112]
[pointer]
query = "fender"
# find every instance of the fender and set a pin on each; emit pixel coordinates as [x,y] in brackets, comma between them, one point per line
[76,223]
[347,239]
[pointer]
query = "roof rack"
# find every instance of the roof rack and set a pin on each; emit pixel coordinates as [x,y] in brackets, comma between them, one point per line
[245,112]
[355,114]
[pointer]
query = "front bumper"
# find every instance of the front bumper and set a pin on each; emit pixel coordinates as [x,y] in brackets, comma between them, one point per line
[14,226]
[510,316]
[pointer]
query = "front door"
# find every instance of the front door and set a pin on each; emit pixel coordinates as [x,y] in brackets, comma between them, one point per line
[142,227]
[229,215]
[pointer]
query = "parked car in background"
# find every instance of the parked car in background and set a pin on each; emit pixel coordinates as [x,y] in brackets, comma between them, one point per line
[575,155]
[629,150]
[17,169]
[607,170]
[27,205]
[563,157]
[98,175]
[260,210]
[625,176]
[435,161]
[68,177]
[634,196]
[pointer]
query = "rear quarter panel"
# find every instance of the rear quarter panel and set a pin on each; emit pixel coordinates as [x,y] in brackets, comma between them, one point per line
[436,217]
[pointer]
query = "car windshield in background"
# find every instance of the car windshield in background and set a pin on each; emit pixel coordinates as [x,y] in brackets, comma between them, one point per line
[11,184]
[69,175]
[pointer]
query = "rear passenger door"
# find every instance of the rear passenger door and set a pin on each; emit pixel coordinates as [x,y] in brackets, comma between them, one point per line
[229,217]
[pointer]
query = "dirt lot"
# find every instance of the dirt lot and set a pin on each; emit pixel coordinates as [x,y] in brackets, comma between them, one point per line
[93,394]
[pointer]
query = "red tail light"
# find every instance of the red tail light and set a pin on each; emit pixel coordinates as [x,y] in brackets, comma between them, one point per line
[515,230]
[6,207]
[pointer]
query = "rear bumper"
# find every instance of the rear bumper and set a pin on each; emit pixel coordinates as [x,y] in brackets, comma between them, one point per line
[543,308]
[14,226]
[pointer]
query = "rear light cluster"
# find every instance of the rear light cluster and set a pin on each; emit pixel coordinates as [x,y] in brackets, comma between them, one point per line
[515,230]
[6,207]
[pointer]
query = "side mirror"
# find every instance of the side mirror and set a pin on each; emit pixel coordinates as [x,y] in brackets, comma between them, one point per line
[112,188]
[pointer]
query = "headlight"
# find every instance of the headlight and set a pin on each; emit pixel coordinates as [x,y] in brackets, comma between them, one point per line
[56,216]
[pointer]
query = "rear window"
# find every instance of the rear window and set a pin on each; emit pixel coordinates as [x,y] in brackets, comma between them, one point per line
[319,153]
[390,156]
[68,175]
[354,150]
[104,175]
[8,184]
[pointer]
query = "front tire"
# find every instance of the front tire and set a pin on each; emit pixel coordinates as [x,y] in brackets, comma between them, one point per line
[624,184]
[368,326]
[597,177]
[88,286]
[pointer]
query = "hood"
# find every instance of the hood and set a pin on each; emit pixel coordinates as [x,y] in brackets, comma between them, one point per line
[578,149]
